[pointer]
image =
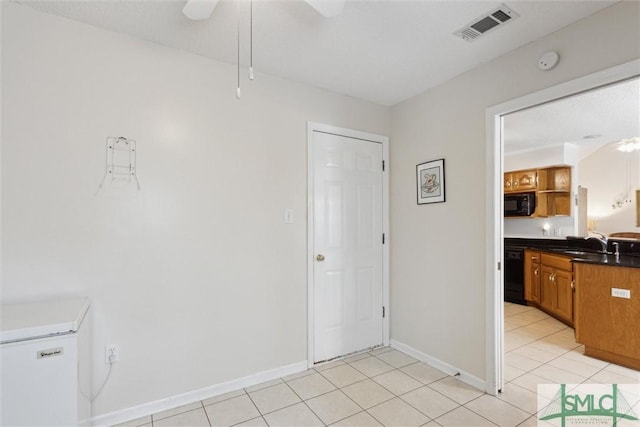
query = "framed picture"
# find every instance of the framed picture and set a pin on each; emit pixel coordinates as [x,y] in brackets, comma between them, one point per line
[430,180]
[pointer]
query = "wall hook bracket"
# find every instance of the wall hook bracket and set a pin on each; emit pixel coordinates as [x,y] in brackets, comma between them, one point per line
[120,164]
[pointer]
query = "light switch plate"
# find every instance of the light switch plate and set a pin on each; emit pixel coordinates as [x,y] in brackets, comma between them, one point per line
[621,293]
[288,216]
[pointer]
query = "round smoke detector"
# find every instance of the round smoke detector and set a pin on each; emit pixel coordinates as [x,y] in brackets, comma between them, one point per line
[548,60]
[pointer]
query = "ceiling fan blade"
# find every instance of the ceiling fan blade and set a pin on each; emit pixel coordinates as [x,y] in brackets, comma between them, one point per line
[199,9]
[327,8]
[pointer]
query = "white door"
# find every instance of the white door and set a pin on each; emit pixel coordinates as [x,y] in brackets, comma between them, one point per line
[348,255]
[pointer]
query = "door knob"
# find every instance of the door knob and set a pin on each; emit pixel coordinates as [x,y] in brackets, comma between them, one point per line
[320,257]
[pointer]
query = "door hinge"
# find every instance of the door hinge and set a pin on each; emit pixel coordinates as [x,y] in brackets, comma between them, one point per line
[499,266]
[383,311]
[383,238]
[383,166]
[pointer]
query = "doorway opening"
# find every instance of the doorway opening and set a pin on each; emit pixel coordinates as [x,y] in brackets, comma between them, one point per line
[495,225]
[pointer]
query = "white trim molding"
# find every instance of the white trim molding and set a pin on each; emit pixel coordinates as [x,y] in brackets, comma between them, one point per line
[494,195]
[463,376]
[171,402]
[350,133]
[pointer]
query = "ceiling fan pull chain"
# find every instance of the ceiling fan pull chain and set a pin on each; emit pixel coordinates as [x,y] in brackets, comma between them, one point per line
[251,41]
[238,91]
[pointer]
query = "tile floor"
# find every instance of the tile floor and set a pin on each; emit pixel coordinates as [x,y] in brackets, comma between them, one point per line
[385,387]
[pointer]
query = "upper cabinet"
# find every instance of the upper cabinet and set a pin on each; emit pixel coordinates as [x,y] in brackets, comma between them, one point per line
[552,187]
[554,191]
[523,180]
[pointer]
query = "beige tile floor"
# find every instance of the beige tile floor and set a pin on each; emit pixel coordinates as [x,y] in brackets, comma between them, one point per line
[385,387]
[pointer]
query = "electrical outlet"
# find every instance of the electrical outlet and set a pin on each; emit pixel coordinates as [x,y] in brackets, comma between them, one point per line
[112,350]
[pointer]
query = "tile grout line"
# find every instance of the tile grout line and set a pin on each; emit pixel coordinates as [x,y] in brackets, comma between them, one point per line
[246,421]
[421,386]
[366,378]
[548,361]
[305,403]
[555,357]
[394,395]
[503,401]
[255,406]
[460,405]
[537,339]
[349,416]
[206,414]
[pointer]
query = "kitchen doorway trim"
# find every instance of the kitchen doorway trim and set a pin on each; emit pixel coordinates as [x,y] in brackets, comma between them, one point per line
[349,133]
[494,196]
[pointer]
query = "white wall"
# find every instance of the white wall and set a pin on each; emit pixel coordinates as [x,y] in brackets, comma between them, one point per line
[558,226]
[540,158]
[438,251]
[609,175]
[196,276]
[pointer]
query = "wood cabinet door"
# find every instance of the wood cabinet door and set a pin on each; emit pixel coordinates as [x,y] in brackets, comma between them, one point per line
[524,180]
[536,274]
[564,294]
[532,275]
[508,183]
[562,179]
[547,288]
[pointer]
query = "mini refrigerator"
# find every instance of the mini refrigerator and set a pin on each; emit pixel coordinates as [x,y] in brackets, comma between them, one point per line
[45,371]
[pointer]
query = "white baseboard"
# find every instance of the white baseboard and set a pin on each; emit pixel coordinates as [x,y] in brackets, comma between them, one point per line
[145,409]
[463,376]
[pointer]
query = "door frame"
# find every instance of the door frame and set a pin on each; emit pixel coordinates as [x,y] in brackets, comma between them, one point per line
[494,200]
[349,133]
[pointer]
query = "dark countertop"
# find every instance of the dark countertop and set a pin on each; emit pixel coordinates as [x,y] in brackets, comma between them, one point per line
[535,243]
[561,247]
[609,259]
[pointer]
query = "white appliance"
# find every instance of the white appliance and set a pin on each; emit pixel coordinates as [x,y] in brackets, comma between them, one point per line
[45,371]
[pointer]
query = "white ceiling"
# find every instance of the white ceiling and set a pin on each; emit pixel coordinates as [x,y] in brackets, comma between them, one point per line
[606,115]
[381,51]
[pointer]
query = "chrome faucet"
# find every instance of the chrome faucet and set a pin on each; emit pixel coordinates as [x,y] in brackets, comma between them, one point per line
[602,242]
[617,252]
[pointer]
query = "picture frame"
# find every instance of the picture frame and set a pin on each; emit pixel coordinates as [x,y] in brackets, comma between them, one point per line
[430,182]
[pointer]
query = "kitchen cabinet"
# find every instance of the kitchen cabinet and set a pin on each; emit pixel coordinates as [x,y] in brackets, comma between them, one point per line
[520,181]
[553,192]
[548,283]
[552,186]
[556,286]
[607,312]
[532,275]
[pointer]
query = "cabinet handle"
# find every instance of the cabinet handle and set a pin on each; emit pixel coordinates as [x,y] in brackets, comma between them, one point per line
[515,183]
[573,284]
[551,277]
[534,258]
[535,272]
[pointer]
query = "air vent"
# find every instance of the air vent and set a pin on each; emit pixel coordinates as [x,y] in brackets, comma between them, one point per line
[486,23]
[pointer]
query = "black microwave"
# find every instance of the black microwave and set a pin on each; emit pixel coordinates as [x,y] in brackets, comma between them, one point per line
[519,204]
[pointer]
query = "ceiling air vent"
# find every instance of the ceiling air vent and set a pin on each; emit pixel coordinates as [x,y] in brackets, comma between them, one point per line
[486,23]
